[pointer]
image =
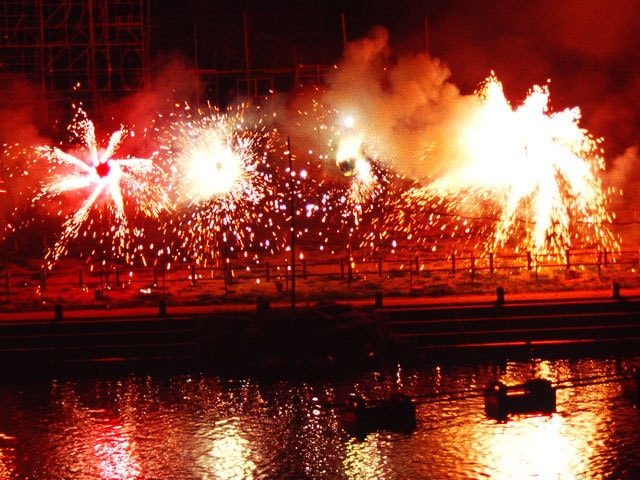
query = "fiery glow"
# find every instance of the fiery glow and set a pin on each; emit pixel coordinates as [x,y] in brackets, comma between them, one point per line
[115,454]
[497,178]
[219,164]
[352,162]
[101,182]
[531,172]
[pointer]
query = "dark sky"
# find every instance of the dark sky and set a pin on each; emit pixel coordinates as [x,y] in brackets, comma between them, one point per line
[588,50]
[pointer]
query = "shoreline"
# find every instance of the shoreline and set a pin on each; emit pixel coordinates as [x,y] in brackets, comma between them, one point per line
[325,338]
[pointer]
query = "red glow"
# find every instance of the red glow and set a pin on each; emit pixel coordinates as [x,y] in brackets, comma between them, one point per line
[115,453]
[103,169]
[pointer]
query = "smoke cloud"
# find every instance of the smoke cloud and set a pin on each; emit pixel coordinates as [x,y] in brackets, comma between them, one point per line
[409,102]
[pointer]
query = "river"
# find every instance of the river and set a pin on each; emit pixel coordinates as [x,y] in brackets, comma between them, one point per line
[207,427]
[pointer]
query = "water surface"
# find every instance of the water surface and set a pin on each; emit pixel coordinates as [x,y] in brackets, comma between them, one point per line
[206,427]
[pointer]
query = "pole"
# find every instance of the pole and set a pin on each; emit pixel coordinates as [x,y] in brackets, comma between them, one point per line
[426,35]
[245,25]
[344,31]
[293,232]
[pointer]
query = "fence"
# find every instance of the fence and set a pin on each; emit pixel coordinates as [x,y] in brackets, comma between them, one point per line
[20,283]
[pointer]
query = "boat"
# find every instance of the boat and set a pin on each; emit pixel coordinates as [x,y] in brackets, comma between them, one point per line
[535,396]
[396,413]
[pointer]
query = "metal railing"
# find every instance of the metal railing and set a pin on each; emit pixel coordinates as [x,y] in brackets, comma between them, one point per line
[228,277]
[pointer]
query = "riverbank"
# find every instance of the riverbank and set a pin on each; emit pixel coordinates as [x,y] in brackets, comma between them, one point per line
[321,338]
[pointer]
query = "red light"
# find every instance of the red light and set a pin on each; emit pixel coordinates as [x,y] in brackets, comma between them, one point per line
[102,169]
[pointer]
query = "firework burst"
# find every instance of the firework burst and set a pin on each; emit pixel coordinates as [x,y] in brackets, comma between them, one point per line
[528,178]
[219,163]
[104,187]
[345,183]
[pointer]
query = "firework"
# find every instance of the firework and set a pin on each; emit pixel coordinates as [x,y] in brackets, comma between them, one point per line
[527,178]
[219,164]
[344,182]
[353,163]
[104,187]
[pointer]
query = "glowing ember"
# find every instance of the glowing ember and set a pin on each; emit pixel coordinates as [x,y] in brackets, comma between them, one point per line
[102,181]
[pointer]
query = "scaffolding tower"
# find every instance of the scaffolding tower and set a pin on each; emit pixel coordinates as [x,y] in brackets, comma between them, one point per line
[97,48]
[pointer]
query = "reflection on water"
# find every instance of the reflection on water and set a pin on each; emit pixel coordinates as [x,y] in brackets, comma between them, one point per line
[196,427]
[227,454]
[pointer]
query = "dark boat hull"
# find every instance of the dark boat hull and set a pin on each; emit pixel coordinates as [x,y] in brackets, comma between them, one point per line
[536,396]
[396,414]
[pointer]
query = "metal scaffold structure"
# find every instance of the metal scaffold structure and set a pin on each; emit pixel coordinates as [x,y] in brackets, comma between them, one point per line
[91,46]
[102,49]
[249,55]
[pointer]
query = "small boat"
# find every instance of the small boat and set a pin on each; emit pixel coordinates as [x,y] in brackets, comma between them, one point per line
[535,396]
[397,413]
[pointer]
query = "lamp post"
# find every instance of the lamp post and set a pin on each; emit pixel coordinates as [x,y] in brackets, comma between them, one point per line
[293,232]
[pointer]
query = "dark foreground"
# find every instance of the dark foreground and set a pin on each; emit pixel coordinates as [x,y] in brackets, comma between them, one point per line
[322,339]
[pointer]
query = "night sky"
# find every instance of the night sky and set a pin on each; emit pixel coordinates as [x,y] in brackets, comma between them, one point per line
[588,50]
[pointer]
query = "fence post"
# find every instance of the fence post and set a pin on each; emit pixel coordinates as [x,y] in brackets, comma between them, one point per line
[57,312]
[342,268]
[155,276]
[568,258]
[229,272]
[286,278]
[491,262]
[616,290]
[500,296]
[43,275]
[80,282]
[350,273]
[606,260]
[473,267]
[529,261]
[117,277]
[268,273]
[453,263]
[193,275]
[417,265]
[304,268]
[378,299]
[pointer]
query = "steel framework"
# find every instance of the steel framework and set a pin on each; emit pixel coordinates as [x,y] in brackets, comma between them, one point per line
[101,49]
[90,46]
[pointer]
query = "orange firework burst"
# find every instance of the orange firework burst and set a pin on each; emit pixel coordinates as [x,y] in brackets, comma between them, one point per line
[219,163]
[529,173]
[100,182]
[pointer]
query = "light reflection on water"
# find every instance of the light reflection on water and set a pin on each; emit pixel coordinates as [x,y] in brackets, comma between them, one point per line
[196,427]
